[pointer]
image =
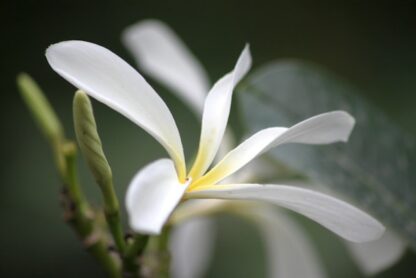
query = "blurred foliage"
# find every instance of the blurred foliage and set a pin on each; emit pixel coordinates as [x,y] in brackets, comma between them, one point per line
[370,44]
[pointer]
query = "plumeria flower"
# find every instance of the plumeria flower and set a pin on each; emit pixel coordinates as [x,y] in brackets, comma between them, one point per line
[161,54]
[157,189]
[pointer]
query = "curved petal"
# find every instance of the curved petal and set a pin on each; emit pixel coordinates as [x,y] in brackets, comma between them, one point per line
[322,129]
[110,80]
[192,245]
[290,252]
[160,53]
[216,112]
[341,218]
[152,196]
[376,256]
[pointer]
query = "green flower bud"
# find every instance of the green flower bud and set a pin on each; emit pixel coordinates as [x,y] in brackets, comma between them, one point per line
[40,107]
[88,139]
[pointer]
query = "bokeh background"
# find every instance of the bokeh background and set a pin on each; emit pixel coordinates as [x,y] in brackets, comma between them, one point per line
[369,43]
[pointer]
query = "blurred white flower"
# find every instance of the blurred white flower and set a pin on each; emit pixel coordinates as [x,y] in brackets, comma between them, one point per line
[156,190]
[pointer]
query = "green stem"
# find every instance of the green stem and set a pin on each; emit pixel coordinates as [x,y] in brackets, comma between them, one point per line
[80,216]
[131,264]
[137,246]
[164,253]
[113,217]
[100,251]
[163,242]
[155,262]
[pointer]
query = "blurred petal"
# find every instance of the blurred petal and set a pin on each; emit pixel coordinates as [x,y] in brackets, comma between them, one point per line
[290,253]
[109,79]
[376,256]
[216,112]
[341,218]
[322,129]
[160,53]
[152,196]
[192,244]
[196,208]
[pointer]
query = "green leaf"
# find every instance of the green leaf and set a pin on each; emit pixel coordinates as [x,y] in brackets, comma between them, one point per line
[375,170]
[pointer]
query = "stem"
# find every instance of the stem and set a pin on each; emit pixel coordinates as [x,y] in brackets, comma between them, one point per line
[131,264]
[80,216]
[156,260]
[164,254]
[138,245]
[163,242]
[112,215]
[100,251]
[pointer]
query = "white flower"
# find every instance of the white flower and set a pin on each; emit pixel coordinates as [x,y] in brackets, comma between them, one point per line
[156,190]
[291,254]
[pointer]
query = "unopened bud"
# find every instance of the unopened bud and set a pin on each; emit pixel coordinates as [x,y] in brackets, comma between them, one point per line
[40,107]
[88,139]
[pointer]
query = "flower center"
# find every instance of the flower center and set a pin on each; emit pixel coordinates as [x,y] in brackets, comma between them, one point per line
[188,181]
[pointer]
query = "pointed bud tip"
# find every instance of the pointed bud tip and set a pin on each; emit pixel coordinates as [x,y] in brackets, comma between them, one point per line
[81,99]
[22,77]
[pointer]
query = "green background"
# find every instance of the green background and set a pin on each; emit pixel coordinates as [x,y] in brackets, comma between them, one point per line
[370,44]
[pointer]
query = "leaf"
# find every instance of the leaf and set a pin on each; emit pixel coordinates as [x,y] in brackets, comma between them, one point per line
[375,170]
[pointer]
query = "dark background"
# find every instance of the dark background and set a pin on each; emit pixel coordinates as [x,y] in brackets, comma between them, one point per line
[370,44]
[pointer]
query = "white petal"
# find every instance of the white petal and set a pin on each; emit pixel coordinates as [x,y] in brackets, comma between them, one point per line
[216,112]
[192,245]
[376,256]
[160,53]
[109,79]
[152,196]
[341,218]
[289,251]
[322,129]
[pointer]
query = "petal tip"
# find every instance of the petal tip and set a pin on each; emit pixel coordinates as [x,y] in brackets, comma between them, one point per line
[55,48]
[345,121]
[379,230]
